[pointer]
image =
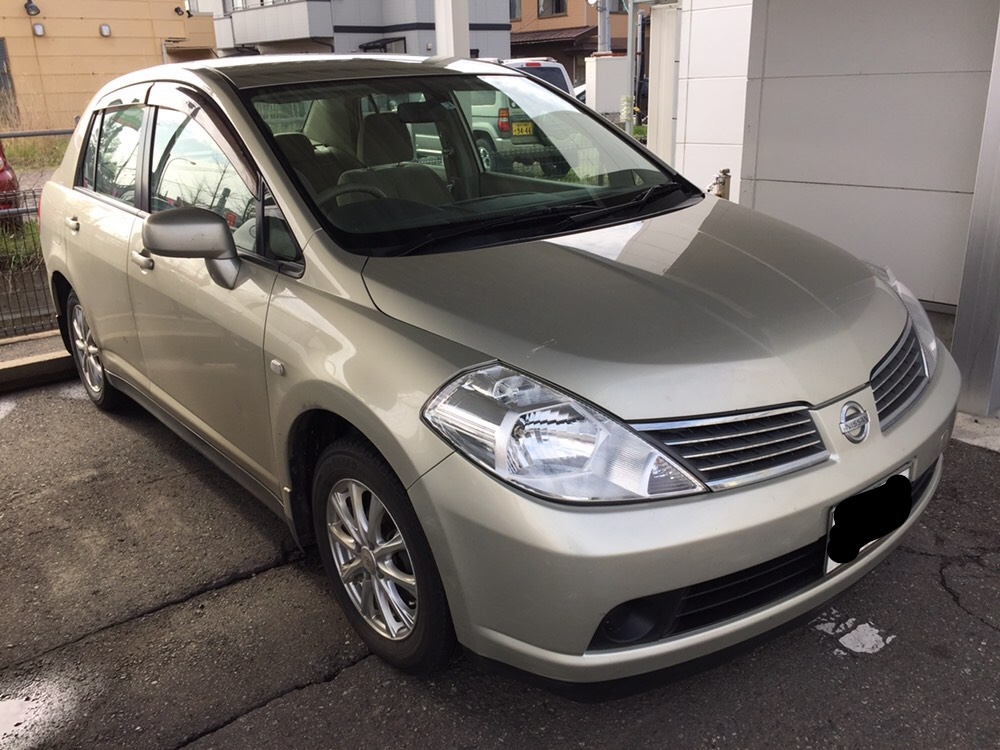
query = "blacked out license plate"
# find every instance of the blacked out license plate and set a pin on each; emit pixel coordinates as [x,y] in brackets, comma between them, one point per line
[859,521]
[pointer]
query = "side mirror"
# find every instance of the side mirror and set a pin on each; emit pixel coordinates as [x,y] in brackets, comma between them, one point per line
[194,233]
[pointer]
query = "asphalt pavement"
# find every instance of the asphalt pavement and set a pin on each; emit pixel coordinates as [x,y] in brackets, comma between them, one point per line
[146,601]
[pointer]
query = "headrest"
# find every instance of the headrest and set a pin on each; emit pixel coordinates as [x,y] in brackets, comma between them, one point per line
[296,146]
[423,111]
[384,139]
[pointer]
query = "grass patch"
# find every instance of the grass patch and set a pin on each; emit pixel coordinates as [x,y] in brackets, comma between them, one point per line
[20,247]
[39,152]
[639,132]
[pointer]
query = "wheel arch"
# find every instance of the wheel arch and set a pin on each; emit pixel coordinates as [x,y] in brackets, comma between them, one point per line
[314,428]
[308,437]
[60,293]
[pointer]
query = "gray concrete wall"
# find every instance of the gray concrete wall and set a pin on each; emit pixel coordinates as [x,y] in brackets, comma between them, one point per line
[863,124]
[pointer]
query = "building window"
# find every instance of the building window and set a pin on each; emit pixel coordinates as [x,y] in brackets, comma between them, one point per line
[616,6]
[515,10]
[551,8]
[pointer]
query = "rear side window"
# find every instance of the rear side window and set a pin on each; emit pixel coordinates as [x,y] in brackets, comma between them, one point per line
[284,117]
[117,154]
[88,174]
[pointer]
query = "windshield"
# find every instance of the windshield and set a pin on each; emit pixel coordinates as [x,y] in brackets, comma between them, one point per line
[391,164]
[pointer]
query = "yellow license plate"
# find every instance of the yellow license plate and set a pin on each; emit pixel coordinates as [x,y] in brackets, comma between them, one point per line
[523,128]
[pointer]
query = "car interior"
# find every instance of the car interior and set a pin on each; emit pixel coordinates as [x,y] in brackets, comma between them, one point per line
[400,155]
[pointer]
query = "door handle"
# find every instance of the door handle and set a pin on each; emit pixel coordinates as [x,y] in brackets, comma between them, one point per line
[73,223]
[143,261]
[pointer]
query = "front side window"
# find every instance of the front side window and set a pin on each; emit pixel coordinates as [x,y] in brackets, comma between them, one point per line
[551,8]
[189,168]
[118,153]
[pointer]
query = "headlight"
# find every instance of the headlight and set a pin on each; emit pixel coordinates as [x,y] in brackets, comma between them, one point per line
[925,331]
[545,441]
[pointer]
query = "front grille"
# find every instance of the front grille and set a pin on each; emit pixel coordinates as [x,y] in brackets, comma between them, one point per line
[711,602]
[741,449]
[899,378]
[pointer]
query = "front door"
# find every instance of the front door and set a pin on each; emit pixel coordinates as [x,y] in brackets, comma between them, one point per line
[203,343]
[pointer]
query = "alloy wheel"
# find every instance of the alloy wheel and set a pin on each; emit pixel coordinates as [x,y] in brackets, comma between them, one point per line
[86,352]
[372,559]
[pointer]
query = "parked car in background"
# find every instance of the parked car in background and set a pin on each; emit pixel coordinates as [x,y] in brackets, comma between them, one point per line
[506,136]
[589,425]
[549,70]
[8,190]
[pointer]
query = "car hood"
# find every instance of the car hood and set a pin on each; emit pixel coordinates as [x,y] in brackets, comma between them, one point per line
[709,309]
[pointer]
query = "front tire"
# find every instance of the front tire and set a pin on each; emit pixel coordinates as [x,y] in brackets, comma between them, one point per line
[487,154]
[87,357]
[378,559]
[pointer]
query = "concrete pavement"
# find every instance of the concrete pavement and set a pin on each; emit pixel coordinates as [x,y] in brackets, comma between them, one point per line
[147,601]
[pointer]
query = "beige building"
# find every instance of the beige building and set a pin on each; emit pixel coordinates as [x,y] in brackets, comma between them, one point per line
[563,29]
[55,54]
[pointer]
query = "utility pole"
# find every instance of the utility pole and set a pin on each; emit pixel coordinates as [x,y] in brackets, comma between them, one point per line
[630,51]
[451,27]
[603,8]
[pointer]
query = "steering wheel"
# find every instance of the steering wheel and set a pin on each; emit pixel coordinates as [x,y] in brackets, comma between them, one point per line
[353,187]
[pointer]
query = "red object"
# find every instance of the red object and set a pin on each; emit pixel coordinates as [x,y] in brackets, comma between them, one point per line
[8,179]
[503,120]
[8,189]
[533,65]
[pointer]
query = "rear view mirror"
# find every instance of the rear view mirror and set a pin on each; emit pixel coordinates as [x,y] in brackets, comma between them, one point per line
[194,233]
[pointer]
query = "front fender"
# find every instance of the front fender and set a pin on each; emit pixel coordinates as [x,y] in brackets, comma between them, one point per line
[359,364]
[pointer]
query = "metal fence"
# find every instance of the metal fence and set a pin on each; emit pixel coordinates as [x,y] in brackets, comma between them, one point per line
[25,303]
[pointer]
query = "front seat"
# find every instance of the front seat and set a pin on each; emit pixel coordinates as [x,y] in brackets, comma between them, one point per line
[317,169]
[385,146]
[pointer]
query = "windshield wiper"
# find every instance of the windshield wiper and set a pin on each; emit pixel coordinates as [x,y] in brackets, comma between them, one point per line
[641,199]
[576,214]
[507,221]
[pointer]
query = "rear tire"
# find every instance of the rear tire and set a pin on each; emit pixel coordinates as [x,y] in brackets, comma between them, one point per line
[378,559]
[87,357]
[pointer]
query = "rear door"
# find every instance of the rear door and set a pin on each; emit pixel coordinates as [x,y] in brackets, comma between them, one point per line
[203,343]
[101,227]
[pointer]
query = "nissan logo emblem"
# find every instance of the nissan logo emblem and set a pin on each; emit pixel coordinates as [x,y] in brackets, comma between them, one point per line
[854,422]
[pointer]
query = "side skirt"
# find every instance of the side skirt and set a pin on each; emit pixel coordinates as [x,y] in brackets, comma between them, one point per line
[213,454]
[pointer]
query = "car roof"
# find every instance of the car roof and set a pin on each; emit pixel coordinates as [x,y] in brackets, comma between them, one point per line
[522,60]
[262,70]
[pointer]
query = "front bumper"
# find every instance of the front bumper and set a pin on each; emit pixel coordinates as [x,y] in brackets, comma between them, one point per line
[530,581]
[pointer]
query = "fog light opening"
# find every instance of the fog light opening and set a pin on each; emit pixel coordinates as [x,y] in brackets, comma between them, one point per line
[629,623]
